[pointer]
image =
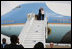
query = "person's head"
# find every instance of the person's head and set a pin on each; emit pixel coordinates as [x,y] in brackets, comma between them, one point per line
[3,40]
[41,8]
[39,45]
[51,44]
[14,39]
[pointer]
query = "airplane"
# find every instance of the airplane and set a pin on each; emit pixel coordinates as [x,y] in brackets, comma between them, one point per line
[59,26]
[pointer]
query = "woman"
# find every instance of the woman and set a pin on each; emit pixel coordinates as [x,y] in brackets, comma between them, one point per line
[41,14]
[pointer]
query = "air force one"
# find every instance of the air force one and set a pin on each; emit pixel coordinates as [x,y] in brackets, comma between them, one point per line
[59,26]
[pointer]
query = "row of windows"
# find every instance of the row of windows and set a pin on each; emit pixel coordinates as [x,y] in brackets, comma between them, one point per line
[68,20]
[7,21]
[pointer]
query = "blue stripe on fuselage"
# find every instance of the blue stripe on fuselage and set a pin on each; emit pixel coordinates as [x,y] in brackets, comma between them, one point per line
[19,15]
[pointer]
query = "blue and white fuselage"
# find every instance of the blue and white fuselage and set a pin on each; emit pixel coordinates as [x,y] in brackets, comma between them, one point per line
[12,23]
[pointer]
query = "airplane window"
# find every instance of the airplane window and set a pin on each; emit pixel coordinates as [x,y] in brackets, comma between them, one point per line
[17,7]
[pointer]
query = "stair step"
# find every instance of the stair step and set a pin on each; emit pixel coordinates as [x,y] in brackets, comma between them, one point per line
[35,34]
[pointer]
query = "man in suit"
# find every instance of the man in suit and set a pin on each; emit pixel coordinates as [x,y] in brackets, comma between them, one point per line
[14,42]
[3,43]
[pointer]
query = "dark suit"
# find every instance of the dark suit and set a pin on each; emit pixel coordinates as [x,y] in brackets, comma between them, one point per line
[3,45]
[13,46]
[40,15]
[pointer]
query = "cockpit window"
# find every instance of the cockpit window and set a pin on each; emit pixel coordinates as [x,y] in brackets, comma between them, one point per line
[17,7]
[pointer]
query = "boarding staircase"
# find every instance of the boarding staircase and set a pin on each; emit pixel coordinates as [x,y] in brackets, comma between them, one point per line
[34,31]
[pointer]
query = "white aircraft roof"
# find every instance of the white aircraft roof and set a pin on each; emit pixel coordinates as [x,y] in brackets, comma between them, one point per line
[60,7]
